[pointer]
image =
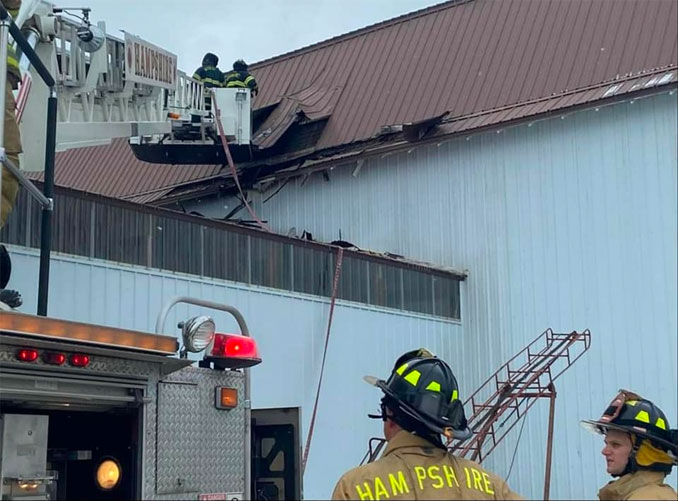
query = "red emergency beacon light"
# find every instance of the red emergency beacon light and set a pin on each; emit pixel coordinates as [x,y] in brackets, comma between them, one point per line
[231,351]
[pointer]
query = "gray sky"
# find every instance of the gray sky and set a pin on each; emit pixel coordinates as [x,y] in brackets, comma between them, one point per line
[253,30]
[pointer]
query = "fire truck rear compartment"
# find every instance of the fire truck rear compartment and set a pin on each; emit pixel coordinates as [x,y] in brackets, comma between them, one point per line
[79,441]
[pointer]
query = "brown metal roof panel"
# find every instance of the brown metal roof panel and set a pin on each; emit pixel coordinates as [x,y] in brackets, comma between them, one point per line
[584,97]
[402,83]
[432,63]
[498,117]
[458,20]
[595,47]
[353,119]
[339,68]
[529,75]
[148,198]
[360,115]
[543,52]
[401,93]
[454,83]
[567,55]
[500,51]
[422,63]
[311,68]
[475,122]
[557,43]
[332,70]
[668,32]
[114,171]
[583,40]
[515,66]
[481,68]
[516,112]
[541,106]
[618,24]
[274,82]
[652,11]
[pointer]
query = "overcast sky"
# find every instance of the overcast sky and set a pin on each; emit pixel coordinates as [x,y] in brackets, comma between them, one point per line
[253,30]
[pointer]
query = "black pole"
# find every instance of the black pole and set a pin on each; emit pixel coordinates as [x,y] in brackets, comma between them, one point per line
[48,191]
[27,49]
[48,188]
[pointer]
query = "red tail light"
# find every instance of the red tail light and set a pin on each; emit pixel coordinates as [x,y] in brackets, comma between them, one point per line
[79,360]
[54,358]
[233,351]
[26,355]
[228,345]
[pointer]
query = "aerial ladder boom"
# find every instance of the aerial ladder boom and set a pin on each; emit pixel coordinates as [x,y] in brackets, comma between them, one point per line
[107,87]
[82,87]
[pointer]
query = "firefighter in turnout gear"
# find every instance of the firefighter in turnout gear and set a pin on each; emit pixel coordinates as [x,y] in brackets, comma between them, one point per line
[421,403]
[640,448]
[208,73]
[12,138]
[240,77]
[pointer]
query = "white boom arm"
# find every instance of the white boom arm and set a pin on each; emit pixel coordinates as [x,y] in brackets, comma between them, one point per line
[122,88]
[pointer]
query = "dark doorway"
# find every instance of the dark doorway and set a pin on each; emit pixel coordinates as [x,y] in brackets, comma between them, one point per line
[275,455]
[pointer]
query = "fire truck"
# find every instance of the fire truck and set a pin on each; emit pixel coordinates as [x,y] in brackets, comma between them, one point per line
[94,412]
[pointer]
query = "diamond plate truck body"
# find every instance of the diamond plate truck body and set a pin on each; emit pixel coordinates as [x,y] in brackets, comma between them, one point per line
[133,403]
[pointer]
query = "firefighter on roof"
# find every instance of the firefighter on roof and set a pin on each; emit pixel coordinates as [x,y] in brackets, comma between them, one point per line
[640,448]
[421,403]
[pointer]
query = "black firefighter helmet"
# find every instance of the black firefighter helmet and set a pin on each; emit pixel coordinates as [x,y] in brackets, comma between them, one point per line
[210,59]
[425,389]
[633,414]
[239,65]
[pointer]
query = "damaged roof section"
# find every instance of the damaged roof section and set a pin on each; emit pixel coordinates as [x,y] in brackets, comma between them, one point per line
[311,104]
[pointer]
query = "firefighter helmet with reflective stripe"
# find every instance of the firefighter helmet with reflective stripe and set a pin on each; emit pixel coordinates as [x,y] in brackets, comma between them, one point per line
[210,59]
[638,416]
[425,389]
[240,65]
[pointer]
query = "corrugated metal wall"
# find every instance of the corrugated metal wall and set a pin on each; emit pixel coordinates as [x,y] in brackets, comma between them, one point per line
[569,223]
[290,330]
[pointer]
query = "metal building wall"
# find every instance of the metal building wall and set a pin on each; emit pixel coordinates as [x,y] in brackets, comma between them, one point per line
[568,223]
[290,330]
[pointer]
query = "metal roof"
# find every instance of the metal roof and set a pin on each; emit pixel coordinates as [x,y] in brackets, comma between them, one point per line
[473,56]
[475,63]
[114,171]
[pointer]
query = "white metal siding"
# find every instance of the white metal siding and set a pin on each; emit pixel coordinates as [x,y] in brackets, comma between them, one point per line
[569,223]
[289,328]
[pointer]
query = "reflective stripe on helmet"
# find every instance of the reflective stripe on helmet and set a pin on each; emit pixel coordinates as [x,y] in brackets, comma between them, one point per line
[413,377]
[434,386]
[643,416]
